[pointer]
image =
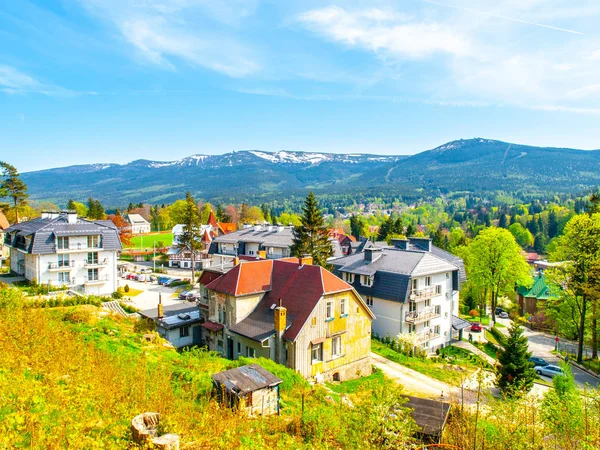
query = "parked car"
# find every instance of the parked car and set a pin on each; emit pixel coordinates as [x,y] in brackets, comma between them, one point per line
[170,281]
[141,277]
[184,295]
[476,326]
[125,274]
[152,278]
[498,311]
[146,270]
[163,279]
[549,370]
[538,362]
[503,315]
[131,276]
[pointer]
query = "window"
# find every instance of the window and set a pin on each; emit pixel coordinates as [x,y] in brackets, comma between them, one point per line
[427,303]
[343,307]
[438,309]
[329,310]
[62,243]
[184,331]
[428,281]
[411,328]
[93,274]
[438,289]
[348,277]
[447,275]
[436,330]
[239,348]
[63,277]
[412,307]
[314,321]
[93,241]
[317,353]
[369,300]
[415,284]
[250,352]
[336,346]
[366,280]
[221,312]
[92,258]
[63,260]
[426,324]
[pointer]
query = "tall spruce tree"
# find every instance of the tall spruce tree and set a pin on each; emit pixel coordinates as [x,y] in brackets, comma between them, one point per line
[311,237]
[71,205]
[191,237]
[356,226]
[515,374]
[12,186]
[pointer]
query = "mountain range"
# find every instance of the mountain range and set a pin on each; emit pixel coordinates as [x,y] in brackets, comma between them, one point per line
[463,165]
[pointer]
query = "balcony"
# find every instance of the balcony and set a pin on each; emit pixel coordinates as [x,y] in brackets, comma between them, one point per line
[98,263]
[95,280]
[420,295]
[77,247]
[427,336]
[415,317]
[63,265]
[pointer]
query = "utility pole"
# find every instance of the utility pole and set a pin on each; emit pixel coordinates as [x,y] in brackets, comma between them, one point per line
[154,258]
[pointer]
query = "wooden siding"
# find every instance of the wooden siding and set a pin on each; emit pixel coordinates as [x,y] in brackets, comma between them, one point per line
[354,331]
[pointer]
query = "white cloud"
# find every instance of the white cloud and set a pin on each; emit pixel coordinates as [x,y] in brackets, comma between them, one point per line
[12,81]
[387,32]
[169,32]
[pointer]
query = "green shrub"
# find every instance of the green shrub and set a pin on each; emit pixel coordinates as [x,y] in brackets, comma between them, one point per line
[117,295]
[498,335]
[126,288]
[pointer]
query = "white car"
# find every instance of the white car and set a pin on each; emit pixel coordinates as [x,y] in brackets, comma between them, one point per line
[124,274]
[549,370]
[141,277]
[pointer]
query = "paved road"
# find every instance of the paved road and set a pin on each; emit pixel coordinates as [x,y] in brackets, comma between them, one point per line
[542,345]
[148,299]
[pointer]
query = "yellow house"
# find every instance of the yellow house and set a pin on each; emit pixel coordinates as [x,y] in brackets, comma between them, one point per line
[294,313]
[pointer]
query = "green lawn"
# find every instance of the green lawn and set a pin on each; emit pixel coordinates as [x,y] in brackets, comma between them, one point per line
[352,386]
[147,241]
[484,321]
[442,371]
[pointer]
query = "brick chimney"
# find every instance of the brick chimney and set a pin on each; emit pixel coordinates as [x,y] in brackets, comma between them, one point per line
[280,322]
[305,259]
[236,261]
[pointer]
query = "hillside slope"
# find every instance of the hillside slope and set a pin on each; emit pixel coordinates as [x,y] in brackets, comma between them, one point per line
[472,165]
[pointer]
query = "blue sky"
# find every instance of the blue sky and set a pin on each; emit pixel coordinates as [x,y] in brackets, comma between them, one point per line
[86,81]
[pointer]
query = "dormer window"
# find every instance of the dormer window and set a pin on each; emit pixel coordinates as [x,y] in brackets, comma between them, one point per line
[348,277]
[93,241]
[62,242]
[366,280]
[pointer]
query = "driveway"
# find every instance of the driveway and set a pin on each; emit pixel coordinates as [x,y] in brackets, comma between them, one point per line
[148,299]
[542,345]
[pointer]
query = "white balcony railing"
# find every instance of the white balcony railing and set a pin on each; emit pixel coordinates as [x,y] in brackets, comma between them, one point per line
[100,262]
[419,295]
[61,265]
[95,280]
[427,336]
[414,317]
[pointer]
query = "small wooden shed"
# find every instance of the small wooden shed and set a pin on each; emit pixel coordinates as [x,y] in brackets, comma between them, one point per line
[251,388]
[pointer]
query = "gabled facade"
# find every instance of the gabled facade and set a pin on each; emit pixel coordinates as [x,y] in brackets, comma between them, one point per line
[532,299]
[61,249]
[412,287]
[297,314]
[138,224]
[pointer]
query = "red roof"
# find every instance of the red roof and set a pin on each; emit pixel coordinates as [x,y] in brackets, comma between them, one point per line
[3,221]
[212,326]
[248,277]
[207,277]
[206,237]
[212,220]
[227,227]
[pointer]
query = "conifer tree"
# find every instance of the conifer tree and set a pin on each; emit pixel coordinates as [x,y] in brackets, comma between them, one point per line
[515,374]
[71,205]
[191,237]
[356,226]
[311,237]
[12,186]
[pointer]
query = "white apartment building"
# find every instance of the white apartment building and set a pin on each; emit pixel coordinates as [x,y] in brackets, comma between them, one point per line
[411,287]
[61,249]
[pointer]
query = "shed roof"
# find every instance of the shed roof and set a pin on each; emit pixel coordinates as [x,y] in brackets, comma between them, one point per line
[174,316]
[430,415]
[245,379]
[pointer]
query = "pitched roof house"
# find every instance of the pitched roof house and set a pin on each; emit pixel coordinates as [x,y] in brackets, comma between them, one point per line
[274,241]
[531,298]
[63,250]
[297,314]
[139,225]
[411,286]
[3,226]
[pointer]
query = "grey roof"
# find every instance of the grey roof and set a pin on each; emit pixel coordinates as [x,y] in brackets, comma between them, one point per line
[257,326]
[460,324]
[174,316]
[392,269]
[429,415]
[250,378]
[267,236]
[45,230]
